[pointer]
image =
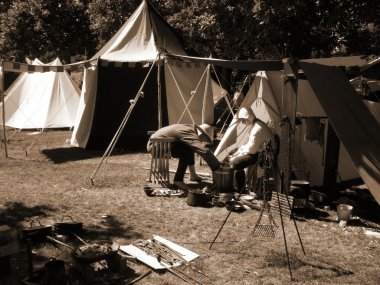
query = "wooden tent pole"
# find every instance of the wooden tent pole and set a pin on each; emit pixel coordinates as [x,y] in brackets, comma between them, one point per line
[159,97]
[330,173]
[3,106]
[288,117]
[205,95]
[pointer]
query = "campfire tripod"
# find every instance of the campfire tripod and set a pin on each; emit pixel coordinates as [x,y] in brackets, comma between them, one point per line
[280,203]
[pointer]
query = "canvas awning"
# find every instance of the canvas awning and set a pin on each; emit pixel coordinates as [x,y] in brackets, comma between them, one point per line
[356,128]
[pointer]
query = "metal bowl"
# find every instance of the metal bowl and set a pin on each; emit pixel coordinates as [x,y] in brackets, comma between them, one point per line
[234,206]
[148,191]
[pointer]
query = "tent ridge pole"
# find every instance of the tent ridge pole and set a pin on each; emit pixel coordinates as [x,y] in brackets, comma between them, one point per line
[288,114]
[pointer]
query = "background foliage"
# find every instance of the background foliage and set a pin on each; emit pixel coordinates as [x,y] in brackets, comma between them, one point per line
[245,29]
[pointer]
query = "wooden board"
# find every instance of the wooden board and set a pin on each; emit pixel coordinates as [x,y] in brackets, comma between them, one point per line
[151,260]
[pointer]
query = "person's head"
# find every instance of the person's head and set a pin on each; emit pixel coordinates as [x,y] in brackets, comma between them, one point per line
[208,133]
[246,115]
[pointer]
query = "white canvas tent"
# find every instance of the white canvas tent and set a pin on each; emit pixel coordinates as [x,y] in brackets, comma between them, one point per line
[265,98]
[41,100]
[174,91]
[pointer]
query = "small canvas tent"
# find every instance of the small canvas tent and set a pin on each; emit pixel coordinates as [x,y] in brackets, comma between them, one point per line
[325,94]
[136,62]
[41,100]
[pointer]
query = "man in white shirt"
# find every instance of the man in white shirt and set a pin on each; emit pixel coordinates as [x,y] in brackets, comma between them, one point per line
[248,153]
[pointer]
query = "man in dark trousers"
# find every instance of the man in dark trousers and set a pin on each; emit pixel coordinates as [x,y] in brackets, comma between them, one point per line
[188,139]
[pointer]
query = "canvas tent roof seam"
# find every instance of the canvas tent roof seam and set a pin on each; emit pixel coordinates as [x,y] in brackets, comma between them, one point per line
[154,10]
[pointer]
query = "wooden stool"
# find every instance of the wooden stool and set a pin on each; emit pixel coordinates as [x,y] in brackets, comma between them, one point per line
[159,165]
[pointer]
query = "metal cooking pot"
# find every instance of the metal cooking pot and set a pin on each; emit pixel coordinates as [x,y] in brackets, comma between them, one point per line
[69,226]
[234,206]
[198,198]
[35,232]
[317,197]
[300,188]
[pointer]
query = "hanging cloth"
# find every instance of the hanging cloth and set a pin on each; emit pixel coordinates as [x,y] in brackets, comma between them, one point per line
[315,130]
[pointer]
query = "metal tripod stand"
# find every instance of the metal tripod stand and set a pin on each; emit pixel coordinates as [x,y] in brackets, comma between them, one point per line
[280,203]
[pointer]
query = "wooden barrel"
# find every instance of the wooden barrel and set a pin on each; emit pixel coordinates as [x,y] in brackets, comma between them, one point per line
[223,179]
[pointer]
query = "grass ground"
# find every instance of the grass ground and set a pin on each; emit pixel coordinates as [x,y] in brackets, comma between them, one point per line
[46,178]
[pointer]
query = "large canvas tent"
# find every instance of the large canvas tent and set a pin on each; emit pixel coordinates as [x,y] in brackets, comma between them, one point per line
[264,97]
[135,63]
[41,100]
[328,94]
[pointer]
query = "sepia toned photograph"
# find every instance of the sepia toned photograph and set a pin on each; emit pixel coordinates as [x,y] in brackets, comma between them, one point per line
[169,142]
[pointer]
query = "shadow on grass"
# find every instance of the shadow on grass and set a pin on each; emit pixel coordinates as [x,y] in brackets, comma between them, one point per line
[279,260]
[62,155]
[110,228]
[304,214]
[16,212]
[369,210]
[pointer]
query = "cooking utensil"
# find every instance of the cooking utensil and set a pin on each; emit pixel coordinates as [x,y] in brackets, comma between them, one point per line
[167,261]
[300,189]
[95,251]
[235,206]
[35,232]
[247,197]
[80,239]
[197,197]
[90,252]
[317,197]
[68,226]
[225,197]
[59,242]
[148,191]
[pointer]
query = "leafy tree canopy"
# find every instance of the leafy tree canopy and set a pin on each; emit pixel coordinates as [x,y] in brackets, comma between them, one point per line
[244,29]
[45,29]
